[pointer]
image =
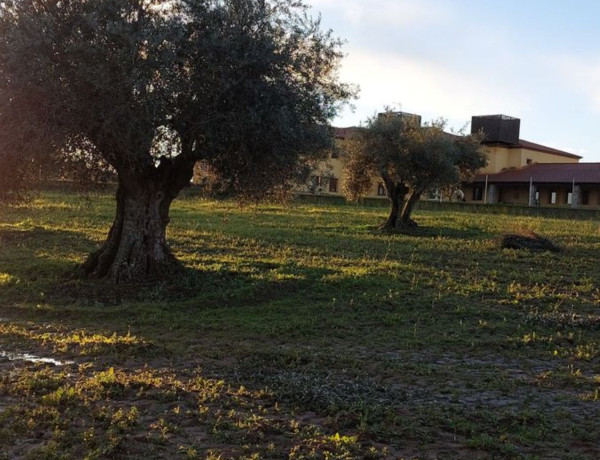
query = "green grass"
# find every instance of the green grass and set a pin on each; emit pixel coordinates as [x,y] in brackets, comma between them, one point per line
[301,332]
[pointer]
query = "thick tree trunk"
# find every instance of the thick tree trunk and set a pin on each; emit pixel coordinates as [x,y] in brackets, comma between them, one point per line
[390,223]
[396,194]
[405,220]
[136,248]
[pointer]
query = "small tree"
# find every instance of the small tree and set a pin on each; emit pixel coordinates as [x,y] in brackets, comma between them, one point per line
[151,87]
[411,160]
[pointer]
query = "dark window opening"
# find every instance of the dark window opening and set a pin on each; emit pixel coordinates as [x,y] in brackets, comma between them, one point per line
[585,197]
[477,193]
[333,184]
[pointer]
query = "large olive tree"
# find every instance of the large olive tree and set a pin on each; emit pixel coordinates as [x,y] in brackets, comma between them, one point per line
[410,160]
[153,86]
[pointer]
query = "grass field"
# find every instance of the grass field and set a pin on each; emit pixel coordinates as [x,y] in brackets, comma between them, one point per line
[300,332]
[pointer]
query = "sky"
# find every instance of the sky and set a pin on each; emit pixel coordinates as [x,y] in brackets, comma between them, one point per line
[535,60]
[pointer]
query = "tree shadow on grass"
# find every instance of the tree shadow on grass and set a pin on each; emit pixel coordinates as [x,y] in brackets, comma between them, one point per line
[34,256]
[220,272]
[422,231]
[39,265]
[23,236]
[221,287]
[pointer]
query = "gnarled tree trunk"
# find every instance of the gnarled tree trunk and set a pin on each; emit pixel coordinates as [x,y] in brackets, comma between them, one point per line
[405,220]
[396,194]
[390,223]
[136,248]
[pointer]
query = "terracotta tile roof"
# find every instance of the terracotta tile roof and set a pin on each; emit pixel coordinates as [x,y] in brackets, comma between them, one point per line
[555,173]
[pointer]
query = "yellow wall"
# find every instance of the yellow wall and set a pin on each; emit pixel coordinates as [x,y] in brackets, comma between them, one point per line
[334,167]
[500,158]
[544,157]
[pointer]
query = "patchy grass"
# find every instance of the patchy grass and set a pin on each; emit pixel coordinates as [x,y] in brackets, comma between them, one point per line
[300,332]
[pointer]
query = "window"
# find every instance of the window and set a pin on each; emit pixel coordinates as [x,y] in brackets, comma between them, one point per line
[381,189]
[585,197]
[333,184]
[529,161]
[478,194]
[569,197]
[552,197]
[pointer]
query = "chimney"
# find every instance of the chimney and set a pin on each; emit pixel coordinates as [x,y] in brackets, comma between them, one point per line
[497,128]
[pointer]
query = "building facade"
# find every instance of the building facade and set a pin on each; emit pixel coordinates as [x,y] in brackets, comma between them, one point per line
[530,174]
[518,171]
[540,184]
[329,176]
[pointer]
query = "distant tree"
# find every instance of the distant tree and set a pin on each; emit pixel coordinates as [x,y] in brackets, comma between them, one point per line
[15,174]
[20,173]
[152,86]
[410,160]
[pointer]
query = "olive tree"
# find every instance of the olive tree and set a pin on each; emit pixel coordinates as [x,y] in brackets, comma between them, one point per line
[150,87]
[410,160]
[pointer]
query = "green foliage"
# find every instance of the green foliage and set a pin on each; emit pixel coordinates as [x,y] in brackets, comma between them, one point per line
[440,160]
[149,88]
[411,160]
[246,86]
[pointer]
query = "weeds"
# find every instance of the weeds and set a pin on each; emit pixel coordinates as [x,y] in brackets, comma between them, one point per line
[300,332]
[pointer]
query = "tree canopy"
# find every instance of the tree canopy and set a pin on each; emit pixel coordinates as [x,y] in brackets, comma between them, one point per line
[410,160]
[150,87]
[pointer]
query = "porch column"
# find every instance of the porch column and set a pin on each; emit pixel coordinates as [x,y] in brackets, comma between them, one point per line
[576,196]
[492,196]
[532,191]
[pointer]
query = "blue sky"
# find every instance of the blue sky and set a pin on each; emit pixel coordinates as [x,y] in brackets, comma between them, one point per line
[535,60]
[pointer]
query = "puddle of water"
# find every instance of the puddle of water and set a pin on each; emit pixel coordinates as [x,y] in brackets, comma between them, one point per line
[32,358]
[11,356]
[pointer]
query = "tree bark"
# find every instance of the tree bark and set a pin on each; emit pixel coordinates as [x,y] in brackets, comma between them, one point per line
[136,248]
[396,194]
[405,220]
[390,223]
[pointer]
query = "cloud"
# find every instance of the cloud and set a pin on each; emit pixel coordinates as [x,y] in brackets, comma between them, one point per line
[455,59]
[385,12]
[580,75]
[425,87]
